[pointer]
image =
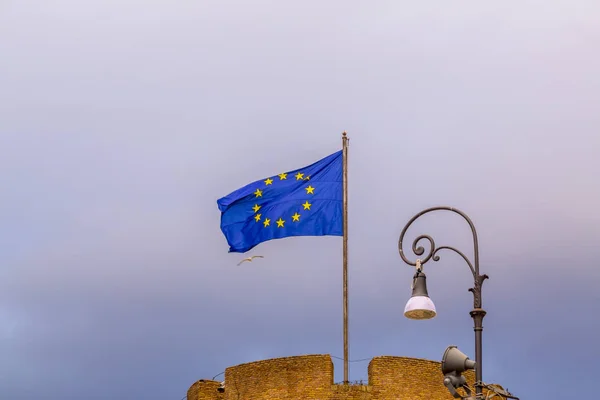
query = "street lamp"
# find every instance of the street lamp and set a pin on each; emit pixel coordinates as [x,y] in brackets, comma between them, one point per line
[420,305]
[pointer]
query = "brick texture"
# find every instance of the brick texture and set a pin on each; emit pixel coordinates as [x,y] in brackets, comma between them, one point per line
[409,378]
[350,392]
[205,390]
[310,377]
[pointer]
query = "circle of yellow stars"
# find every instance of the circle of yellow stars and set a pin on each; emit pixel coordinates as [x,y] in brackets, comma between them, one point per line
[281,222]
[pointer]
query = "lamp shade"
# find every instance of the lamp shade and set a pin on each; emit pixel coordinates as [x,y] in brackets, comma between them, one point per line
[419,306]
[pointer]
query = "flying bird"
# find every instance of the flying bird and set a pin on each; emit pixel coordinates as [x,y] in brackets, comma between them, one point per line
[249,259]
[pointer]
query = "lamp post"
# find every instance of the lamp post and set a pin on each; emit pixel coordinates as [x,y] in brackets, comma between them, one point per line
[420,306]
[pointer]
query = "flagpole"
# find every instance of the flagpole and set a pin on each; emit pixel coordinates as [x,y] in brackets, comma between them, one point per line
[345,249]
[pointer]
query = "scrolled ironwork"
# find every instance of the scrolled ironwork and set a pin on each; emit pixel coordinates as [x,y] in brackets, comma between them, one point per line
[460,253]
[419,250]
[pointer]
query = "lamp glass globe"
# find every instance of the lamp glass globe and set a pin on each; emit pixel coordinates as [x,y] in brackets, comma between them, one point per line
[419,307]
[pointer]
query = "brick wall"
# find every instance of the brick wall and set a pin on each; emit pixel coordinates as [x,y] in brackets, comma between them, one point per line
[305,377]
[409,378]
[205,390]
[350,392]
[310,377]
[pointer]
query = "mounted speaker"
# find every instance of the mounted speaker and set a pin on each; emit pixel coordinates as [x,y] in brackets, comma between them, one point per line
[455,360]
[454,363]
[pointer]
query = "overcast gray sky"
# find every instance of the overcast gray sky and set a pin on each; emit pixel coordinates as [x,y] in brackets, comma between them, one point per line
[123,121]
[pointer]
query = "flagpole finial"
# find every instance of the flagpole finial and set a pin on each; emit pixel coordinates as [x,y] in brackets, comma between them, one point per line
[344,134]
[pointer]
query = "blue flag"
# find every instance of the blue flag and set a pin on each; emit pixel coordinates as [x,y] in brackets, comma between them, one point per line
[303,202]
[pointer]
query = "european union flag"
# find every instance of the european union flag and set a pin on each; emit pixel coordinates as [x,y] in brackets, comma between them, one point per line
[303,202]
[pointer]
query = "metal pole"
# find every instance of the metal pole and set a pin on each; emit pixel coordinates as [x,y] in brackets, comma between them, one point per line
[345,249]
[477,313]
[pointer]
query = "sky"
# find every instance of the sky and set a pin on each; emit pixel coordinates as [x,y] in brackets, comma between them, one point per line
[123,121]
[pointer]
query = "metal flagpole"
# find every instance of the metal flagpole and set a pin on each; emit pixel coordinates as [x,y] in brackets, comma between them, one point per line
[345,249]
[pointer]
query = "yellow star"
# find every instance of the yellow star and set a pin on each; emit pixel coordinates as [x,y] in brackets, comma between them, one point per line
[307,205]
[296,217]
[299,176]
[256,207]
[280,223]
[258,193]
[307,178]
[310,190]
[282,176]
[267,222]
[268,181]
[257,217]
